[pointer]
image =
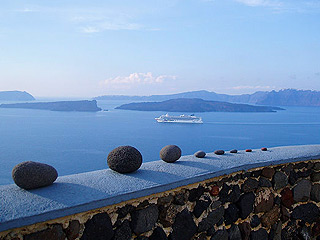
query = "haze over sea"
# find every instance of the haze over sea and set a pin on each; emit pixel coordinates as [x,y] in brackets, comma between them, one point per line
[76,142]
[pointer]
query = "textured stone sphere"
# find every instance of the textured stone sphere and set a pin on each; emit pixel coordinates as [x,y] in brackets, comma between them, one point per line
[170,153]
[200,154]
[219,152]
[30,175]
[124,159]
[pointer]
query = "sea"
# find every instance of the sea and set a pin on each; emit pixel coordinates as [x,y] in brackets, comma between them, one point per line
[77,142]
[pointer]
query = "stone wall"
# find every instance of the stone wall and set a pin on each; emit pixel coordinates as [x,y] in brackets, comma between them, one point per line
[272,202]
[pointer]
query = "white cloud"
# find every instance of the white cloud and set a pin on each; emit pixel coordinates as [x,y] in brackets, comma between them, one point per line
[261,3]
[135,79]
[104,26]
[27,10]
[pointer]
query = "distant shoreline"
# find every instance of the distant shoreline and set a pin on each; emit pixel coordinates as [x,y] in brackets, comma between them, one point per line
[65,106]
[195,105]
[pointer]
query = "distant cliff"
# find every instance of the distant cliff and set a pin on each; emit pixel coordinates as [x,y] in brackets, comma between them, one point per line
[68,106]
[195,105]
[15,96]
[287,97]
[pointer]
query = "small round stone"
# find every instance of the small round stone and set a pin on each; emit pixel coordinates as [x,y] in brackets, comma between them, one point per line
[200,154]
[248,150]
[219,152]
[233,151]
[30,175]
[124,159]
[264,149]
[170,153]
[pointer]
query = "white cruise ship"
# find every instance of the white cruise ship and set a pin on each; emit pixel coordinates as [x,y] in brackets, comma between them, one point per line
[179,119]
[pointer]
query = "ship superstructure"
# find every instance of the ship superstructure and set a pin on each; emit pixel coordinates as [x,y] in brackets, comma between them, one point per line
[179,119]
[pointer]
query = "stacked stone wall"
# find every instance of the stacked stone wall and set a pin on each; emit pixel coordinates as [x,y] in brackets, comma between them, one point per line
[274,202]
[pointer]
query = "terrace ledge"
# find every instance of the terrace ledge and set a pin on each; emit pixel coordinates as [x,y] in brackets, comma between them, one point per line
[87,191]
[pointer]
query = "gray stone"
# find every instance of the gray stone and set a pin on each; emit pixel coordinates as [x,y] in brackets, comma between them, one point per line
[213,218]
[123,211]
[201,206]
[245,204]
[54,232]
[158,234]
[301,192]
[255,221]
[231,214]
[123,232]
[124,159]
[250,185]
[307,212]
[280,180]
[219,152]
[30,175]
[233,151]
[264,182]
[170,153]
[315,193]
[144,220]
[200,154]
[316,166]
[99,227]
[315,177]
[260,234]
[184,227]
[220,235]
[234,233]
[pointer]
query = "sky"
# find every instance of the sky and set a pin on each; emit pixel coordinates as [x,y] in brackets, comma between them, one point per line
[77,48]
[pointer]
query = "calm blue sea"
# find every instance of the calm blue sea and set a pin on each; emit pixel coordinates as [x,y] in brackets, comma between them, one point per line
[76,142]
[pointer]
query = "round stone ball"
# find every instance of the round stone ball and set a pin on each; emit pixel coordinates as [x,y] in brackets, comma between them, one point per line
[170,153]
[200,154]
[124,159]
[219,152]
[30,175]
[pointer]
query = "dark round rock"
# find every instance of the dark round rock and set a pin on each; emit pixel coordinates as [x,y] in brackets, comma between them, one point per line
[219,152]
[170,153]
[264,149]
[124,159]
[248,150]
[30,175]
[233,151]
[200,154]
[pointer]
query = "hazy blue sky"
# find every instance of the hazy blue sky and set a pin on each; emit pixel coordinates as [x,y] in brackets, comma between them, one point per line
[88,48]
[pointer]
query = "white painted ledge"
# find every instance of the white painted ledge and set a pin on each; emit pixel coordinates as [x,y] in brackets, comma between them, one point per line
[86,191]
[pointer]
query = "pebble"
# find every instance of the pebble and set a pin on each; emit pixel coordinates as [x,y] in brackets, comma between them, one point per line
[124,159]
[200,154]
[30,175]
[233,151]
[170,153]
[219,152]
[248,150]
[264,149]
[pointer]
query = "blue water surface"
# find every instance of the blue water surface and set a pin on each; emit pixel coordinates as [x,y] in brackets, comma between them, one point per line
[75,142]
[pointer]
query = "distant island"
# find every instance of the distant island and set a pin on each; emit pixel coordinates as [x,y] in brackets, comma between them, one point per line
[195,105]
[67,106]
[15,96]
[287,97]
